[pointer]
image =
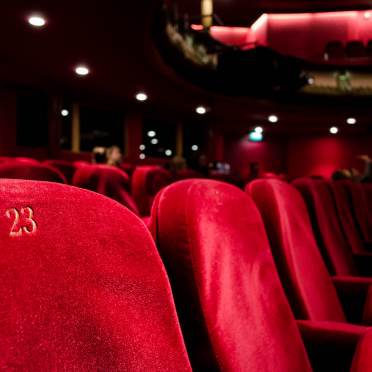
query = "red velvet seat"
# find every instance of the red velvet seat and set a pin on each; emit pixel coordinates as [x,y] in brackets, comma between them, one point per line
[82,286]
[146,183]
[345,213]
[326,225]
[232,308]
[310,289]
[106,180]
[362,213]
[31,171]
[65,167]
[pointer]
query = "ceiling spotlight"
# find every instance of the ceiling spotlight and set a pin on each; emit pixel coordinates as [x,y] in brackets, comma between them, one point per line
[273,119]
[141,97]
[168,152]
[82,70]
[142,147]
[201,110]
[194,147]
[142,156]
[351,121]
[64,112]
[36,20]
[151,133]
[333,130]
[258,130]
[310,80]
[154,141]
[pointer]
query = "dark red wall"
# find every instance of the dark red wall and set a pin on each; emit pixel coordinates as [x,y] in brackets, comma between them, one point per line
[299,156]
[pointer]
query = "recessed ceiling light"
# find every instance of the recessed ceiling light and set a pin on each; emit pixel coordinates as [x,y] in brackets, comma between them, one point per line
[168,152]
[201,110]
[64,112]
[273,119]
[82,70]
[333,130]
[142,147]
[36,20]
[194,147]
[141,97]
[351,121]
[258,130]
[151,133]
[154,141]
[142,156]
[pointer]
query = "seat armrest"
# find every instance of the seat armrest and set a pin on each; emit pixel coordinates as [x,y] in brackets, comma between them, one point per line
[362,357]
[363,262]
[355,296]
[330,345]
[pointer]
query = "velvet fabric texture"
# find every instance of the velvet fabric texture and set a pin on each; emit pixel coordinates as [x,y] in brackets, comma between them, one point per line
[300,265]
[326,225]
[232,308]
[30,170]
[147,181]
[309,287]
[65,167]
[106,180]
[345,213]
[82,287]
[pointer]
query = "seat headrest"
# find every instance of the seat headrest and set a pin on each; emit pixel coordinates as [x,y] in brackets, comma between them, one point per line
[82,285]
[31,171]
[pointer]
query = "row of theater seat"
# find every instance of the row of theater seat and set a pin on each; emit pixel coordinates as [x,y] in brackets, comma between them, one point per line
[83,286]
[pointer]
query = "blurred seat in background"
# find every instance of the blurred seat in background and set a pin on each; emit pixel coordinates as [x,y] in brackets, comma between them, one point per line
[28,170]
[65,167]
[147,181]
[106,180]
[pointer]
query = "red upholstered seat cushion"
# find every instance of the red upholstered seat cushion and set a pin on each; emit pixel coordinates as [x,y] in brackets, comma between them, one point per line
[345,213]
[323,213]
[146,182]
[31,171]
[106,180]
[232,308]
[300,265]
[82,287]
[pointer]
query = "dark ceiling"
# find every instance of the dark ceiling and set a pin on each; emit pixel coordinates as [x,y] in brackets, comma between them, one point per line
[114,38]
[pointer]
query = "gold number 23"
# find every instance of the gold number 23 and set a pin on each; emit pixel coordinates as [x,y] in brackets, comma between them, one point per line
[28,225]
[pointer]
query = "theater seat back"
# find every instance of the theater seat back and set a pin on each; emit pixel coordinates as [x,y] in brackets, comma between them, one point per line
[106,180]
[65,167]
[302,270]
[31,171]
[362,213]
[231,305]
[323,213]
[146,182]
[345,213]
[82,285]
